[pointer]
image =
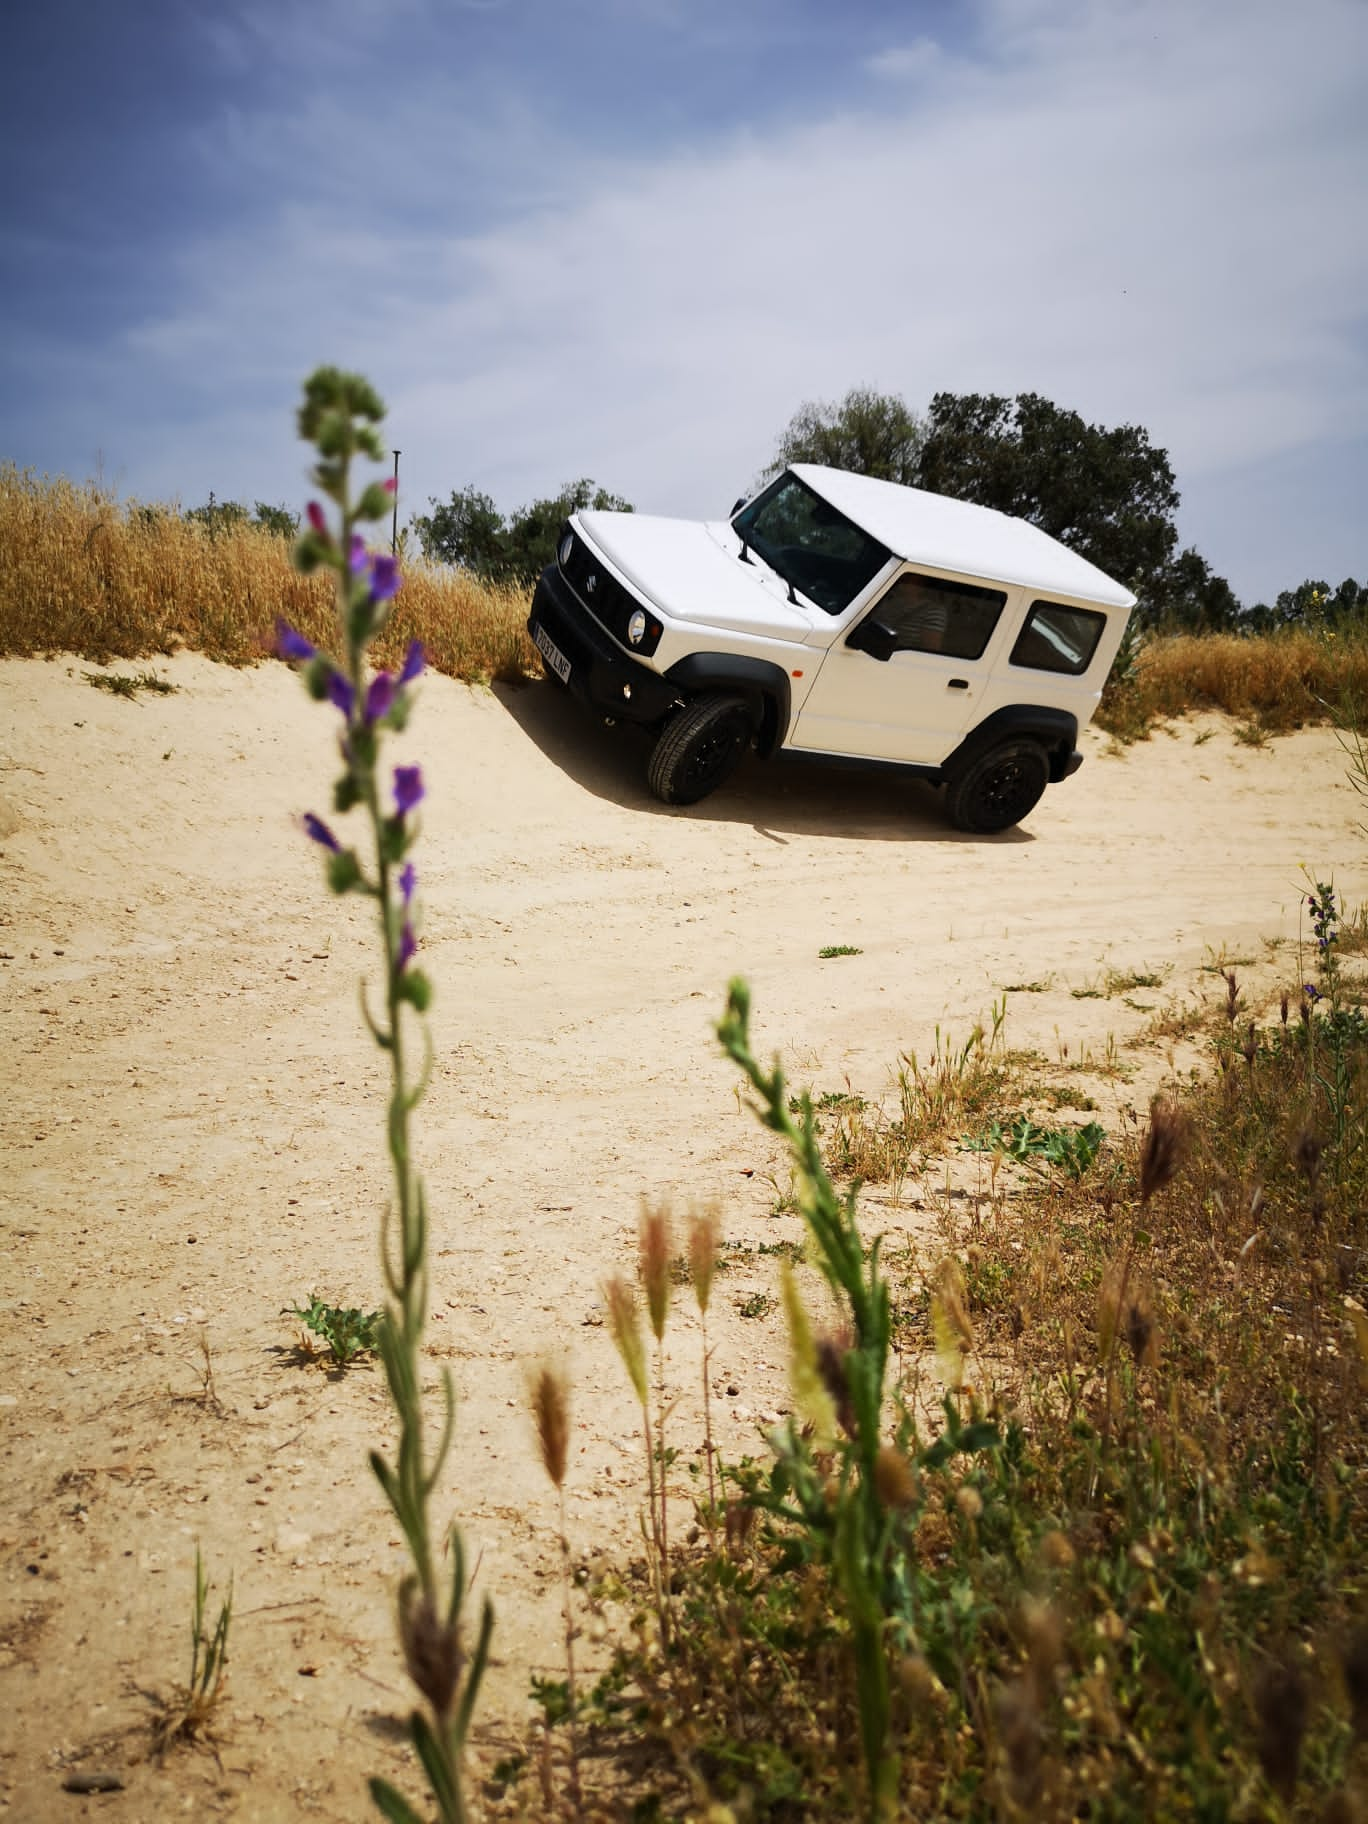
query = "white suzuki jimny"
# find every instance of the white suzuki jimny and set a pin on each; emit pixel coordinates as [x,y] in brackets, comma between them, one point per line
[841,617]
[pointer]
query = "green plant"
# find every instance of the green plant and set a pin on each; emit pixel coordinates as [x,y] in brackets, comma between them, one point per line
[1251,734]
[754,1304]
[120,686]
[1071,1149]
[187,1714]
[348,1332]
[830,950]
[339,416]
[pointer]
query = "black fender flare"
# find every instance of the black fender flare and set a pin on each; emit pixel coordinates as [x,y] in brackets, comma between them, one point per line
[1055,729]
[764,685]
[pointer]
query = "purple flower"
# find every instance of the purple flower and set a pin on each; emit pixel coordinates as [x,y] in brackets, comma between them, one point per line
[407,945]
[380,696]
[356,555]
[1310,990]
[408,880]
[408,788]
[341,693]
[317,519]
[292,645]
[318,831]
[414,661]
[385,578]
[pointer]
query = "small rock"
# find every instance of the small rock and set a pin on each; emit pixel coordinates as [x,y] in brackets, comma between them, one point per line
[92,1782]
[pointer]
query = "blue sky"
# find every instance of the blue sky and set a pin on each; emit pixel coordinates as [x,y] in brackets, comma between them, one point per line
[628,238]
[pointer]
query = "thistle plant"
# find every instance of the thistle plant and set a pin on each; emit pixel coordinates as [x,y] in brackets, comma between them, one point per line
[339,417]
[860,1518]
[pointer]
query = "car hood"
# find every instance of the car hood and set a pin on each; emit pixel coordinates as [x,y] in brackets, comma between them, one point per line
[692,571]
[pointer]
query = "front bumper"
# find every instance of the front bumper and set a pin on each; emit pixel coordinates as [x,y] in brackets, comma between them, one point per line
[602,675]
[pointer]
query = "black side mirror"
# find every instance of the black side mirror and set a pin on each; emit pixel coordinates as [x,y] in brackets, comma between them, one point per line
[873,637]
[737,505]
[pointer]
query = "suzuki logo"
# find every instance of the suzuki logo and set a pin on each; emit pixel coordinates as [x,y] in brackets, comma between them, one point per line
[591,583]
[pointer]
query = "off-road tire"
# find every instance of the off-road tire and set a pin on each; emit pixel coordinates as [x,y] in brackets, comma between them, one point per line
[700,746]
[999,788]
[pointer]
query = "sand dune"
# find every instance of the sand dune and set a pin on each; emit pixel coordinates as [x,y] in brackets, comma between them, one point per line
[191,1125]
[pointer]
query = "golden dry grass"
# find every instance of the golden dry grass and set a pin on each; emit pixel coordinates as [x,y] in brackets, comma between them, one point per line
[80,573]
[1276,681]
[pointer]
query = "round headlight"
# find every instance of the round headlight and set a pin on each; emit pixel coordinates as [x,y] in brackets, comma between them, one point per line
[567,545]
[636,628]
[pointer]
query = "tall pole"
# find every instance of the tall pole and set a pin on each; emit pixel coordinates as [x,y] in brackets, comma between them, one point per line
[394,521]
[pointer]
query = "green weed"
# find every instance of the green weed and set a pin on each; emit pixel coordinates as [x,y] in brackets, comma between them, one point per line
[1071,1149]
[348,1332]
[187,1714]
[122,686]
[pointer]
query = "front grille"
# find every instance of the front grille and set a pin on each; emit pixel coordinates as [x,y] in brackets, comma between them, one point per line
[600,591]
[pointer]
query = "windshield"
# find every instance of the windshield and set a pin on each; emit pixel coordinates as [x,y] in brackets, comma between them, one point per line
[810,544]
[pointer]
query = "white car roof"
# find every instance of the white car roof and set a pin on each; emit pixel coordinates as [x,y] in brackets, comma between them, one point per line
[957,535]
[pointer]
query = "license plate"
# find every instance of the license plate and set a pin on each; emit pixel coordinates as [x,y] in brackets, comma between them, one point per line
[552,653]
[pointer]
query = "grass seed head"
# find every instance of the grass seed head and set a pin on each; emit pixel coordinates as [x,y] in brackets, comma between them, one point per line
[655,1251]
[832,1351]
[624,1321]
[1138,1328]
[1163,1148]
[950,1323]
[705,1238]
[551,1411]
[1232,1005]
[894,1478]
[1308,1156]
[811,1394]
[432,1648]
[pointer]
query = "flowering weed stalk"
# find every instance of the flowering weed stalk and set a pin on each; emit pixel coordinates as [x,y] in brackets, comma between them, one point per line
[339,416]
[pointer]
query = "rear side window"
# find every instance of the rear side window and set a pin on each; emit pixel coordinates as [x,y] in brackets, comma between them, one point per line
[932,614]
[1056,638]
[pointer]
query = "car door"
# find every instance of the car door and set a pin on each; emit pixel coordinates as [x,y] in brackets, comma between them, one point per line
[907,680]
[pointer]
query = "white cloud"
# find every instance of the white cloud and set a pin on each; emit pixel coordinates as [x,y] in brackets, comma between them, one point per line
[1150,213]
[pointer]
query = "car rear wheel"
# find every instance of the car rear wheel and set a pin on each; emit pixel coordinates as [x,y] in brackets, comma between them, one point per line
[698,748]
[999,788]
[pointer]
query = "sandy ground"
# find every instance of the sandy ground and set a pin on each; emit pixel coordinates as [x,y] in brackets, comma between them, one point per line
[191,1127]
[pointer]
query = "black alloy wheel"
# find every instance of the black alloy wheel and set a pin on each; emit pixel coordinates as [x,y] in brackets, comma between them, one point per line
[999,788]
[700,747]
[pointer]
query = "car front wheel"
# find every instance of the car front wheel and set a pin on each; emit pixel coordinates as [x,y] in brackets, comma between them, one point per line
[999,788]
[698,748]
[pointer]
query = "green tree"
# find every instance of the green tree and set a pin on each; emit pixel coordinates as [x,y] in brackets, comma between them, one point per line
[219,515]
[469,530]
[1107,494]
[867,432]
[1188,594]
[1315,604]
[279,521]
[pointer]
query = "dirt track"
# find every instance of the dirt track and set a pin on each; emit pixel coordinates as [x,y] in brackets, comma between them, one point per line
[191,1131]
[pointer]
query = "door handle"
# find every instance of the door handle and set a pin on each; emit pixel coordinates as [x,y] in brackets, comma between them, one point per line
[958,684]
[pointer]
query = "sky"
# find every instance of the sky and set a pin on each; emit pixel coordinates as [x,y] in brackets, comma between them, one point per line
[627,239]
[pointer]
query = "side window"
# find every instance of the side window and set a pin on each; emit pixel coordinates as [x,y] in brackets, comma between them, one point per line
[1055,638]
[932,614]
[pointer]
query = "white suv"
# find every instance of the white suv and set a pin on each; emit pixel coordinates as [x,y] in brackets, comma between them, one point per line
[841,617]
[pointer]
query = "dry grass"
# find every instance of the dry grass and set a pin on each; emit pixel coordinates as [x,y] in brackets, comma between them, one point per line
[79,573]
[1272,683]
